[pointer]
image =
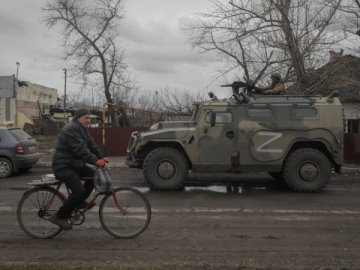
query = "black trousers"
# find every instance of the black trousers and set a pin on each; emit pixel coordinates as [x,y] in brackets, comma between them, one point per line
[79,191]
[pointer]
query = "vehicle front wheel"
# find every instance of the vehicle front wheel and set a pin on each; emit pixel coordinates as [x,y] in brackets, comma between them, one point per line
[307,170]
[165,168]
[6,167]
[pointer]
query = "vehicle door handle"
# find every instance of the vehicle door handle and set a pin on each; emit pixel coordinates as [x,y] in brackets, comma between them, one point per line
[230,134]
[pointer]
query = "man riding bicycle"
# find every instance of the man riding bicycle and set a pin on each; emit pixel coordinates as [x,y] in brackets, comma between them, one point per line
[74,148]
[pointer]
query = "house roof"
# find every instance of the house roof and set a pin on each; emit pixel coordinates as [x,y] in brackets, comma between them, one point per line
[340,73]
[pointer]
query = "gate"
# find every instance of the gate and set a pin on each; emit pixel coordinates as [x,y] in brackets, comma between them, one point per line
[352,141]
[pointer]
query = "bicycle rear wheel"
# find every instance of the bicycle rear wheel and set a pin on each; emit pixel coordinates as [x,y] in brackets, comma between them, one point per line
[33,211]
[126,213]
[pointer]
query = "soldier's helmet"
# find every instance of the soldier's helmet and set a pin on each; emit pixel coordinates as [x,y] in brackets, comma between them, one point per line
[276,76]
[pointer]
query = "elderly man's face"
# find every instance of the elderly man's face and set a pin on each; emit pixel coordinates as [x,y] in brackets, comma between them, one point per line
[85,120]
[275,79]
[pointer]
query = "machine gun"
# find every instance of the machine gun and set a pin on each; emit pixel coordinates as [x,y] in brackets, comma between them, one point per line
[249,86]
[242,90]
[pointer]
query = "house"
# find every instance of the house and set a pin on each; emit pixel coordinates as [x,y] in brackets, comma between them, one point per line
[342,73]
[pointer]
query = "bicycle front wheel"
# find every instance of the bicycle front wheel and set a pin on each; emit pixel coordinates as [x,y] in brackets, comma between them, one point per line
[125,213]
[34,209]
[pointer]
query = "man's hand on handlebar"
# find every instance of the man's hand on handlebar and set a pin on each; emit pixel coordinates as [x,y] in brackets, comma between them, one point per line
[100,163]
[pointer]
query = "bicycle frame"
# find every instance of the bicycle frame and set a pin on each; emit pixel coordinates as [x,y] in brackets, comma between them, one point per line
[95,196]
[44,197]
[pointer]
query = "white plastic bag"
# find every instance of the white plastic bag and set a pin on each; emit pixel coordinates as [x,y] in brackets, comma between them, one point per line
[102,181]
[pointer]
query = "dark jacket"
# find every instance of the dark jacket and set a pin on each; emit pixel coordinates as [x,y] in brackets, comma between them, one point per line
[74,148]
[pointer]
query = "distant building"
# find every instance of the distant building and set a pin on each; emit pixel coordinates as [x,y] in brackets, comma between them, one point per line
[28,99]
[7,100]
[21,102]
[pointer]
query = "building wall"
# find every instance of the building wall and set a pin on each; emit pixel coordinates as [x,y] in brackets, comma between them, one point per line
[33,98]
[21,104]
[35,92]
[351,110]
[7,110]
[7,86]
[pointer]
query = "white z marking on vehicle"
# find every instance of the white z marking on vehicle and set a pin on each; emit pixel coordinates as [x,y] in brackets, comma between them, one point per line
[273,136]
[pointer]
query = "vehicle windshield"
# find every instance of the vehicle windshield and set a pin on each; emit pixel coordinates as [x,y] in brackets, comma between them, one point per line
[195,114]
[19,134]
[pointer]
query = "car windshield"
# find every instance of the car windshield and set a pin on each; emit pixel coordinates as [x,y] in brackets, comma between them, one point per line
[19,134]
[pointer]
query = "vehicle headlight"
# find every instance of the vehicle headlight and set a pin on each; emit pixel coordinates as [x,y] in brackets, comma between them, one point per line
[154,127]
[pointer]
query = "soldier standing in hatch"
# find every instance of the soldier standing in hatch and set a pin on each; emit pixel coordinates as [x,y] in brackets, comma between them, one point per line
[276,87]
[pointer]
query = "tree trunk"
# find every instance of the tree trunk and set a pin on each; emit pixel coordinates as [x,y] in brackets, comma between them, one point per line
[111,109]
[296,57]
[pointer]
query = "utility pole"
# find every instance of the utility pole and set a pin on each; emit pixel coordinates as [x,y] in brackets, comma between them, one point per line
[92,94]
[17,79]
[17,71]
[65,114]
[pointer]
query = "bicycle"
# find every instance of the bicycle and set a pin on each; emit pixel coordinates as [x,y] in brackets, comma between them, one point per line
[126,216]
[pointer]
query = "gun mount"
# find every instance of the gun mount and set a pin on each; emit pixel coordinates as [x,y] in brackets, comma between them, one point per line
[247,89]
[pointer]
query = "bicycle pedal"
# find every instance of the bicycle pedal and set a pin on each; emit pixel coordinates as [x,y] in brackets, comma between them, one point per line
[77,218]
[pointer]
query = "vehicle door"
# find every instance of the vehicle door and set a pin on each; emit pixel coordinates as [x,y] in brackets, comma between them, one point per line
[217,136]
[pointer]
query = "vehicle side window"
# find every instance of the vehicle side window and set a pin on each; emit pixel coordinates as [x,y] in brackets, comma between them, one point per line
[260,112]
[303,112]
[221,117]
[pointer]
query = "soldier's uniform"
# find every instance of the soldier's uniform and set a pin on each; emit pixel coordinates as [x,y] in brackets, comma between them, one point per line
[276,88]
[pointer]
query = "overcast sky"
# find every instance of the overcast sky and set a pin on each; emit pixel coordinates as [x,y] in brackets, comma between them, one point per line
[157,48]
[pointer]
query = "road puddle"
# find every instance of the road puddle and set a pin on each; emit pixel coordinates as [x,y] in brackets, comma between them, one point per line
[217,189]
[236,189]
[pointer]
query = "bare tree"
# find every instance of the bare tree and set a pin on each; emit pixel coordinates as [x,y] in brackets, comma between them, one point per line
[263,36]
[352,12]
[168,100]
[351,19]
[176,101]
[89,37]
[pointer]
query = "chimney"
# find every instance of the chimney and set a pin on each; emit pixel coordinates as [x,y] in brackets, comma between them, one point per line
[335,55]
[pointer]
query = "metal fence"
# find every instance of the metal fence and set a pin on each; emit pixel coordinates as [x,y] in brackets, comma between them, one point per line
[352,141]
[114,140]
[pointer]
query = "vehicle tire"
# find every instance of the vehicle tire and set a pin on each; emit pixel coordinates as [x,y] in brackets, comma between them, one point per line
[6,167]
[307,170]
[34,209]
[126,213]
[165,168]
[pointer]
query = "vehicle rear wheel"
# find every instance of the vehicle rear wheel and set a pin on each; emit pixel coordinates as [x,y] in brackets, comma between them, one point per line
[34,210]
[6,167]
[165,168]
[307,170]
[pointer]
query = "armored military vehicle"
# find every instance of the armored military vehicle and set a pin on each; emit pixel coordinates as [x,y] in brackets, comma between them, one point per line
[297,139]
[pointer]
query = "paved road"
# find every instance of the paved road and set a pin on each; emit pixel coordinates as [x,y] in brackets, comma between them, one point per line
[261,226]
